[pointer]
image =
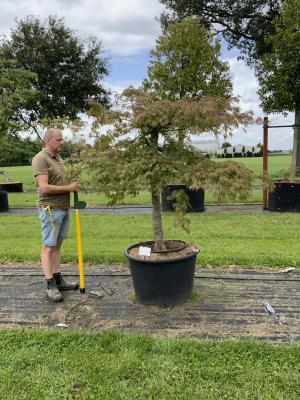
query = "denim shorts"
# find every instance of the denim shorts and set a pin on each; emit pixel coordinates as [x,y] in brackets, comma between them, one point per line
[55,228]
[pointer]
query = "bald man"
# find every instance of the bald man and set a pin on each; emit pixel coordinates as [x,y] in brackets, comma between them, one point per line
[53,208]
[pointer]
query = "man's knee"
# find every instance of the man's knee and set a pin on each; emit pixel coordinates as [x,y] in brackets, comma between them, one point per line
[51,249]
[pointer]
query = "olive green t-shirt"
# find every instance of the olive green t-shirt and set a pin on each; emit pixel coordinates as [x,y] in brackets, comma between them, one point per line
[45,163]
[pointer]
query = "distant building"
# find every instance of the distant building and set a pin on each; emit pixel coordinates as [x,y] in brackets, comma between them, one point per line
[207,146]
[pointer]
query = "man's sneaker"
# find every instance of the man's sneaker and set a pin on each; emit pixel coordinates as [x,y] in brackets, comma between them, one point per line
[63,285]
[53,294]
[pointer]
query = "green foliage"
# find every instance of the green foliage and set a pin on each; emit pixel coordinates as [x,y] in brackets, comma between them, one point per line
[120,166]
[181,202]
[226,181]
[244,24]
[279,70]
[186,62]
[68,71]
[16,90]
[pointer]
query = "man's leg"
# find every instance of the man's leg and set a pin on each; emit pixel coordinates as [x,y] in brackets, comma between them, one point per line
[49,263]
[49,260]
[56,257]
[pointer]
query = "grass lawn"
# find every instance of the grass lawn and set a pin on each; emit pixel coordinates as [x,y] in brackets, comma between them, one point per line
[225,238]
[277,164]
[51,365]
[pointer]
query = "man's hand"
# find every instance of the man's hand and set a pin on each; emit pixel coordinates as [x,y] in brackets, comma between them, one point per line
[73,186]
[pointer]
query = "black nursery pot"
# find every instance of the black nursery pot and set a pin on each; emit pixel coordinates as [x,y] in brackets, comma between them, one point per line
[162,282]
[3,201]
[285,197]
[12,187]
[196,198]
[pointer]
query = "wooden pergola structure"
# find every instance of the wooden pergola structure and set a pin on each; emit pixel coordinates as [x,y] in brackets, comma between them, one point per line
[266,127]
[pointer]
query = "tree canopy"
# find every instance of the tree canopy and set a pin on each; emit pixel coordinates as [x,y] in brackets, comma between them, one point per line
[243,24]
[279,71]
[186,62]
[68,70]
[16,90]
[144,148]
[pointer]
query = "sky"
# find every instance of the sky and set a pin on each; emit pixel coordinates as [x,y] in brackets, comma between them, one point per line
[128,29]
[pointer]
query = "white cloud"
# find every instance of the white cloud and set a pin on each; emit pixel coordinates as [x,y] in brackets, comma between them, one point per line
[124,27]
[246,86]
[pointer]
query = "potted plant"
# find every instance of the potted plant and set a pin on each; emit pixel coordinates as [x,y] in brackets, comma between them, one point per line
[284,194]
[7,185]
[147,145]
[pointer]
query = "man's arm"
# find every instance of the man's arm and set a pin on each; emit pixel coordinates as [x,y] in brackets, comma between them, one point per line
[44,187]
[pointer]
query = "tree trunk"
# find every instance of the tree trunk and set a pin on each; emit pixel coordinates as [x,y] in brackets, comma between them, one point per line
[296,145]
[157,222]
[156,204]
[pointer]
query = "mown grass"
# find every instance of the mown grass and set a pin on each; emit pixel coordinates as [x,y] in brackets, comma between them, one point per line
[276,163]
[51,365]
[225,238]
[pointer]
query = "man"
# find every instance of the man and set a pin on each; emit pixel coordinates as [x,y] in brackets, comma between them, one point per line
[53,208]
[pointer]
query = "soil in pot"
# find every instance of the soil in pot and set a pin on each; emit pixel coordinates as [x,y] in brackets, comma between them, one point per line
[164,278]
[175,249]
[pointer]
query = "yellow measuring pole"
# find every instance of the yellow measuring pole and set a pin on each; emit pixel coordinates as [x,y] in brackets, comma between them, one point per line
[79,248]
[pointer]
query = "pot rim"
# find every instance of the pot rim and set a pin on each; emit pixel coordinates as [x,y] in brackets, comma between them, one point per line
[146,261]
[286,181]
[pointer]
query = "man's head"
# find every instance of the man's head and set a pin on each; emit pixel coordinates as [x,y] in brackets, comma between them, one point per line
[53,140]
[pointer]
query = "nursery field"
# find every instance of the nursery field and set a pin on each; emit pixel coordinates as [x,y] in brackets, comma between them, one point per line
[254,239]
[277,164]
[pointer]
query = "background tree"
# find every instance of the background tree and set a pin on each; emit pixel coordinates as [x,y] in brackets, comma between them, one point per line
[18,151]
[225,145]
[243,24]
[67,71]
[279,71]
[186,62]
[16,90]
[267,40]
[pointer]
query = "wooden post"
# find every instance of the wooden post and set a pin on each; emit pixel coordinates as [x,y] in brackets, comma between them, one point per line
[265,161]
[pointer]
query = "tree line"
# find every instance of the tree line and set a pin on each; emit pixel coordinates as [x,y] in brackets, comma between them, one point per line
[16,151]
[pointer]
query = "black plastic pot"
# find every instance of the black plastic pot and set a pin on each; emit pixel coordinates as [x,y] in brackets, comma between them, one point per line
[3,201]
[285,197]
[196,198]
[11,187]
[162,282]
